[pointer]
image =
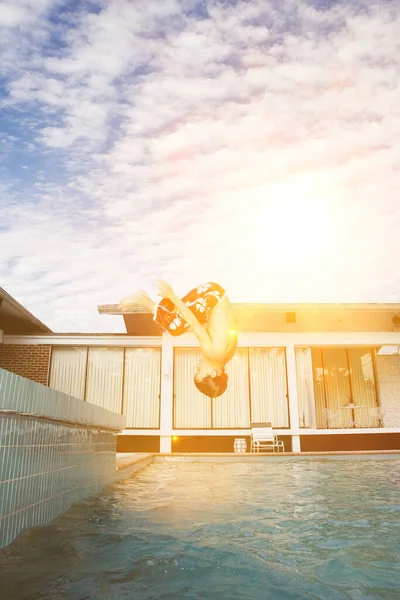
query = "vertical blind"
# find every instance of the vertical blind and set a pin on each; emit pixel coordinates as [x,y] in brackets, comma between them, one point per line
[305,388]
[104,377]
[142,387]
[342,376]
[192,410]
[319,387]
[129,380]
[267,388]
[67,370]
[363,385]
[232,409]
[115,378]
[337,380]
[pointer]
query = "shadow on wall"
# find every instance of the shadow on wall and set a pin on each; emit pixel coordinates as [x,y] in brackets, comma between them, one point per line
[138,443]
[223,443]
[359,441]
[201,443]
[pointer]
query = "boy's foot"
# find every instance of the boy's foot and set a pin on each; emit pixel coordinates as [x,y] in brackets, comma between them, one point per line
[140,298]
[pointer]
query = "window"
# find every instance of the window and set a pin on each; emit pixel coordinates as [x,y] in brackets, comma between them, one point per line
[118,379]
[257,390]
[104,377]
[67,370]
[268,385]
[141,403]
[344,376]
[305,388]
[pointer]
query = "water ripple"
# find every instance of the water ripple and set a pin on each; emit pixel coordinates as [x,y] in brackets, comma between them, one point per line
[322,529]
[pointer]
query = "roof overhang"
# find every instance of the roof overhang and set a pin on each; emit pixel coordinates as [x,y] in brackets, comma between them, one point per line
[137,320]
[17,320]
[115,309]
[140,322]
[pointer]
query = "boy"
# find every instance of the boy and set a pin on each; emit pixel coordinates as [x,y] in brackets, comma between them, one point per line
[207,312]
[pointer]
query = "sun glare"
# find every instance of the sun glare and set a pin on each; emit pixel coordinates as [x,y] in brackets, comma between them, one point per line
[295,221]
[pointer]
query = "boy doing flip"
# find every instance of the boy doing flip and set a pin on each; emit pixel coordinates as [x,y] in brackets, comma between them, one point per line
[208,313]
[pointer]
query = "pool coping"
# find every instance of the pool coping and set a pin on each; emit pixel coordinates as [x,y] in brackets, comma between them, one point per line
[128,459]
[132,459]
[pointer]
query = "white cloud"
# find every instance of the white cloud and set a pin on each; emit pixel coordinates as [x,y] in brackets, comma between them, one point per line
[164,140]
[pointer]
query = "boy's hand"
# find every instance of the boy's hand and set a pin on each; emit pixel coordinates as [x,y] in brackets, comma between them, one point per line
[165,290]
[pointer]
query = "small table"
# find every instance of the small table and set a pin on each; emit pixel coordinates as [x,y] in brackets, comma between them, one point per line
[352,407]
[240,445]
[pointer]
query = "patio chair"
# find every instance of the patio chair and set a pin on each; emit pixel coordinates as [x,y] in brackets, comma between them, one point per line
[264,438]
[377,414]
[335,419]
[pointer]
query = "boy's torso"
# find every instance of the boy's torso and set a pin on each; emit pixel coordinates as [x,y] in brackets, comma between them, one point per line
[221,327]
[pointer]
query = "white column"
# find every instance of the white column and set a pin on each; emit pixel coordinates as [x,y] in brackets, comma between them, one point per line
[1,336]
[167,392]
[295,443]
[293,398]
[165,444]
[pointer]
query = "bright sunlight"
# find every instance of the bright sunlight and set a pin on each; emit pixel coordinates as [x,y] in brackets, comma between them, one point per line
[297,219]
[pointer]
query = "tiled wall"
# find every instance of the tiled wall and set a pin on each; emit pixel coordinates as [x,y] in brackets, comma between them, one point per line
[54,450]
[388,375]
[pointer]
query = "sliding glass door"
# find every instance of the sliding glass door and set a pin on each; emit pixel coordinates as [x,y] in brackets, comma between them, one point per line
[344,387]
[257,391]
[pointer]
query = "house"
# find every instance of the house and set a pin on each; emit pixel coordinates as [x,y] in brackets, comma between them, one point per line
[327,376]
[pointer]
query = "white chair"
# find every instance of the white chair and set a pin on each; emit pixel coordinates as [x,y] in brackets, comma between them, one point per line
[336,420]
[264,438]
[332,418]
[378,415]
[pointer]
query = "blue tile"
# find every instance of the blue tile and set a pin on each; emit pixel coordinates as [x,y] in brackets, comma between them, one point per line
[7,499]
[5,535]
[3,491]
[34,456]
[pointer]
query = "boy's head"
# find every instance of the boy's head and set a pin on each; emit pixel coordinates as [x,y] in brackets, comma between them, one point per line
[210,380]
[212,386]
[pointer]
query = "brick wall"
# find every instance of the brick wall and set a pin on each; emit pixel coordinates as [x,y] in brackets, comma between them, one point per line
[388,375]
[28,361]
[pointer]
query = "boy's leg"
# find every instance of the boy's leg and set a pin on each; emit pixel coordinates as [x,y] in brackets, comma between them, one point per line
[164,312]
[169,318]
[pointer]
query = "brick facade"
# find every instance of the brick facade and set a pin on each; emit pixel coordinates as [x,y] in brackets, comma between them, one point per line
[388,375]
[28,361]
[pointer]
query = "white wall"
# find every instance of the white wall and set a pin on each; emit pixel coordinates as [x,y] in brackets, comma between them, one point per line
[388,376]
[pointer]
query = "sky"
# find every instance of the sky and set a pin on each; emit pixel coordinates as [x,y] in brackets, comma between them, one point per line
[253,143]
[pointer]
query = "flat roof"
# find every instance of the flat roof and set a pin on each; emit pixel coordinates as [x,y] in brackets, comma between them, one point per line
[253,317]
[114,309]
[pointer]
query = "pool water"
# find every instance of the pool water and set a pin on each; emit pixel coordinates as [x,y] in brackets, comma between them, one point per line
[248,530]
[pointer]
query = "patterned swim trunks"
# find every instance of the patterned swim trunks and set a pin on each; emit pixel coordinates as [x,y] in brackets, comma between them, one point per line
[201,300]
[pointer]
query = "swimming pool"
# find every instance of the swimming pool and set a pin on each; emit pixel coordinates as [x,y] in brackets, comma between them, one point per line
[189,528]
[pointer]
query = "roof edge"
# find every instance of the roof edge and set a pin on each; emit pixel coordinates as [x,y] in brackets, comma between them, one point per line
[114,309]
[24,311]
